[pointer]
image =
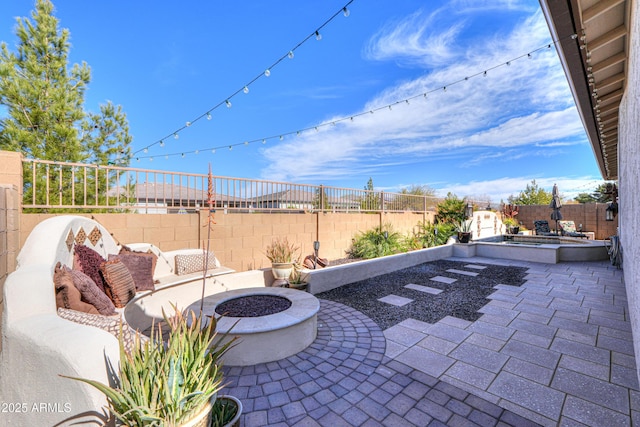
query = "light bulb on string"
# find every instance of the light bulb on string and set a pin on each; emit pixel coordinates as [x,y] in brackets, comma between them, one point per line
[176,136]
[213,151]
[318,36]
[281,137]
[197,151]
[188,124]
[166,156]
[529,56]
[484,74]
[264,141]
[246,89]
[346,12]
[151,159]
[161,143]
[183,155]
[267,72]
[209,115]
[146,149]
[228,103]
[246,143]
[230,147]
[290,54]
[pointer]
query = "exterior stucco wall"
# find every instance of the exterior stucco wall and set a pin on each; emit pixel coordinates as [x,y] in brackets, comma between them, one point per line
[629,177]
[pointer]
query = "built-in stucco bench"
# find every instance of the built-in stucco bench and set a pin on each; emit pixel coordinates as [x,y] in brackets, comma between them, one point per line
[38,344]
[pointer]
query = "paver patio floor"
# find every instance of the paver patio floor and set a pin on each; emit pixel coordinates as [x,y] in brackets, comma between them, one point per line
[555,351]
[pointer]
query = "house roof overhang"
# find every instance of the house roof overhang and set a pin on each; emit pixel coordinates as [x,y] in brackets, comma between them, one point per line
[595,63]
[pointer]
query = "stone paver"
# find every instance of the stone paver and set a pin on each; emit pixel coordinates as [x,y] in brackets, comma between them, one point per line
[463,272]
[395,300]
[442,279]
[426,289]
[555,351]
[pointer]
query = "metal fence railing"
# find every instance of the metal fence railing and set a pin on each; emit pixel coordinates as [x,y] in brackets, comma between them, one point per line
[60,186]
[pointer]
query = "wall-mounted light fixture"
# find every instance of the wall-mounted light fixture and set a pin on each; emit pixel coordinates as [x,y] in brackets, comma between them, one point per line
[611,211]
[468,210]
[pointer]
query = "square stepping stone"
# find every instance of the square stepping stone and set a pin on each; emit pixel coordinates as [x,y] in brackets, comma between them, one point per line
[443,279]
[395,300]
[475,266]
[464,273]
[421,288]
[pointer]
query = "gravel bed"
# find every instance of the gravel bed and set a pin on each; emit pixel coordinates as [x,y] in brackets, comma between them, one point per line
[461,299]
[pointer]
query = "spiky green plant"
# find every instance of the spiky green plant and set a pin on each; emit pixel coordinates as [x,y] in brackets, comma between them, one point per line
[165,384]
[430,235]
[377,242]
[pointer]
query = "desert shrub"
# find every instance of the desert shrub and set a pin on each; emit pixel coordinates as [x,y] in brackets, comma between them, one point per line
[376,242]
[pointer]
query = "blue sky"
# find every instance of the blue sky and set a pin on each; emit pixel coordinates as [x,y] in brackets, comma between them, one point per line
[168,63]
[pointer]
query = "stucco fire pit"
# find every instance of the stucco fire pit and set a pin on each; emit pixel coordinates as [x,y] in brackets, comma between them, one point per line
[269,337]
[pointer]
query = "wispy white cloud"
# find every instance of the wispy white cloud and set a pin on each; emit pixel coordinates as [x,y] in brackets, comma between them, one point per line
[569,187]
[524,104]
[414,40]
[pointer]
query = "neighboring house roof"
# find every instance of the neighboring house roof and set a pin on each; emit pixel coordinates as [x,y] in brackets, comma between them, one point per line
[595,63]
[159,191]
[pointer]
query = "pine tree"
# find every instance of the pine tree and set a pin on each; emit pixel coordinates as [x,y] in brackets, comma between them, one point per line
[44,100]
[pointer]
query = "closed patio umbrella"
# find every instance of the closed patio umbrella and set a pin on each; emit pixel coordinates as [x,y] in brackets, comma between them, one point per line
[555,205]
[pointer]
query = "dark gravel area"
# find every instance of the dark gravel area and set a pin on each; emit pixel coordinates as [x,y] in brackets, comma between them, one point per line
[461,299]
[253,306]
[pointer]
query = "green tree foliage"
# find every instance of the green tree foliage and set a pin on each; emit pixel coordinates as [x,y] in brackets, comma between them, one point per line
[531,195]
[45,116]
[321,199]
[599,195]
[410,203]
[371,200]
[451,210]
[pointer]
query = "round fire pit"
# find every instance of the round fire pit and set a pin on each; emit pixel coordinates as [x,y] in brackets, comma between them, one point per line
[253,306]
[272,323]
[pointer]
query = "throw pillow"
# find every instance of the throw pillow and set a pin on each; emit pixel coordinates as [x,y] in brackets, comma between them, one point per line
[149,254]
[88,261]
[67,295]
[186,264]
[119,282]
[110,324]
[91,293]
[140,266]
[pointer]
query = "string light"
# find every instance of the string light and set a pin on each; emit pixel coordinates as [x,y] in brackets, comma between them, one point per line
[371,111]
[245,88]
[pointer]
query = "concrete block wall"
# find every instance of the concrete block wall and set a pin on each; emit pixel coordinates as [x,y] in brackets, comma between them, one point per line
[590,215]
[9,236]
[240,239]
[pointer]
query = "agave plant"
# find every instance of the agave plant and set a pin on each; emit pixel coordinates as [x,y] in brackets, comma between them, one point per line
[166,384]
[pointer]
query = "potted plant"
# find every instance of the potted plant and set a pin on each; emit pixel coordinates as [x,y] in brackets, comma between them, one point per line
[169,384]
[226,412]
[283,255]
[464,231]
[512,225]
